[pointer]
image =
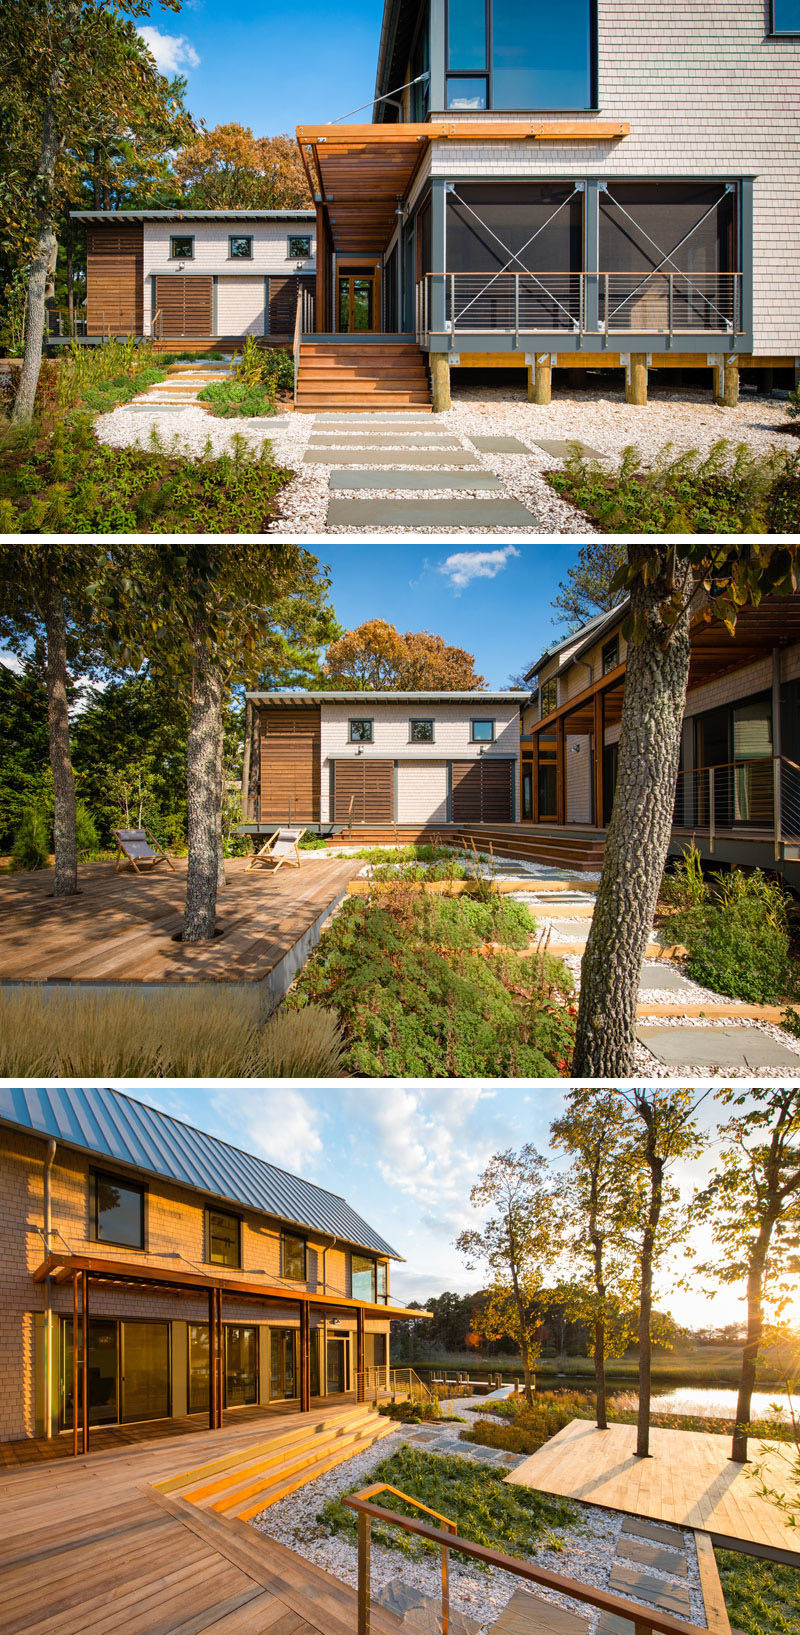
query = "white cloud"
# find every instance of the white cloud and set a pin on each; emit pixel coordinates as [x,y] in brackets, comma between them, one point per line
[11,662]
[280,1124]
[464,566]
[173,52]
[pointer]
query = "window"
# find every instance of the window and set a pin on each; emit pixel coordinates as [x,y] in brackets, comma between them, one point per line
[497,57]
[420,731]
[360,729]
[117,1210]
[383,1283]
[467,48]
[294,1257]
[549,696]
[610,655]
[181,248]
[224,1238]
[240,247]
[299,246]
[482,732]
[363,1278]
[785,17]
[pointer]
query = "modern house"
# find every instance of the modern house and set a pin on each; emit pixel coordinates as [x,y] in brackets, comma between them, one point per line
[738,791]
[154,1272]
[380,759]
[208,277]
[599,184]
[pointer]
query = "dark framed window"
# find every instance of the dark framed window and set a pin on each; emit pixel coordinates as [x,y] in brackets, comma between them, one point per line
[363,1277]
[117,1209]
[359,729]
[294,1250]
[382,1289]
[549,696]
[784,17]
[240,247]
[481,731]
[610,655]
[496,59]
[299,246]
[181,247]
[420,730]
[223,1238]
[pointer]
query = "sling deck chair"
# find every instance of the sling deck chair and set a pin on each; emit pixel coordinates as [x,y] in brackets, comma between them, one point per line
[279,849]
[138,847]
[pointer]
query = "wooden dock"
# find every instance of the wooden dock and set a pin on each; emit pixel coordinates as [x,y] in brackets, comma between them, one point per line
[122,927]
[91,1544]
[690,1480]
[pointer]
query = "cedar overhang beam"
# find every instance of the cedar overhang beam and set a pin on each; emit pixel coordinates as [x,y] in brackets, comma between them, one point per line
[468,130]
[62,1268]
[614,678]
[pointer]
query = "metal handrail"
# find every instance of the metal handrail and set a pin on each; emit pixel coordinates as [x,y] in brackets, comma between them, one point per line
[760,792]
[297,339]
[645,1620]
[363,1588]
[538,302]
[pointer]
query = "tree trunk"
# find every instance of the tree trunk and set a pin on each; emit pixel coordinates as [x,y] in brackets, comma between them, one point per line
[601,1415]
[68,237]
[205,726]
[646,1303]
[64,840]
[747,1378]
[220,799]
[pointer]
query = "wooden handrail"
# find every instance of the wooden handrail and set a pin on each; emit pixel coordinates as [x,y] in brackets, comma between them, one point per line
[154,329]
[646,1620]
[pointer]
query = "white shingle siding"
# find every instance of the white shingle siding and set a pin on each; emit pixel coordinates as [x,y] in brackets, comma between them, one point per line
[270,255]
[241,306]
[706,93]
[579,779]
[422,792]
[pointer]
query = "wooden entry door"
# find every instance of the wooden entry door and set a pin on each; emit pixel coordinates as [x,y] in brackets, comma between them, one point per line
[186,304]
[363,791]
[290,766]
[482,791]
[358,298]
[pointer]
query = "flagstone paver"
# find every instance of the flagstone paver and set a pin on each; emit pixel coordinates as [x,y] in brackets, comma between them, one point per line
[419,480]
[657,1592]
[496,444]
[450,513]
[656,1532]
[652,1555]
[664,976]
[716,1047]
[560,448]
[529,1614]
[397,457]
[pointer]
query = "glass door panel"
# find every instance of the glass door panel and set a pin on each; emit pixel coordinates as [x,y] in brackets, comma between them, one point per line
[199,1368]
[102,1373]
[145,1371]
[547,790]
[337,1364]
[357,301]
[314,1363]
[241,1364]
[281,1363]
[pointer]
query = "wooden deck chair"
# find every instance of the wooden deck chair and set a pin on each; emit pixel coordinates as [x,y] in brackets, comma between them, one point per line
[279,849]
[137,846]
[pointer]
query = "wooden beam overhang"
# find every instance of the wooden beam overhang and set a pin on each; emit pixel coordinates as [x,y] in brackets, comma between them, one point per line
[582,701]
[62,1268]
[360,173]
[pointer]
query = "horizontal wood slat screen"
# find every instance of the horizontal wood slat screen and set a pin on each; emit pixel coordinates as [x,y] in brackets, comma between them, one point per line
[290,766]
[283,302]
[370,785]
[186,304]
[482,791]
[114,281]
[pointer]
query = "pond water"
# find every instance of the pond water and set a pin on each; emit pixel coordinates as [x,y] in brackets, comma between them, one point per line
[718,1402]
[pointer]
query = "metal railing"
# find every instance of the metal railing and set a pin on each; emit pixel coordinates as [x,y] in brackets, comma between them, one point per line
[579,303]
[644,1620]
[398,1382]
[303,325]
[761,795]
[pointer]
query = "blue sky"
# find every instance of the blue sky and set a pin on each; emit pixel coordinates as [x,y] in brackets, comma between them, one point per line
[266,65]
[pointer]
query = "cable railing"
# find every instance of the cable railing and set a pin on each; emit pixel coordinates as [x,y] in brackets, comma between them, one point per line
[397,1382]
[760,795]
[303,325]
[644,1620]
[578,303]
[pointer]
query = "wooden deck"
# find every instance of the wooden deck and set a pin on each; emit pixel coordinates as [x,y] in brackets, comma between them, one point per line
[121,927]
[690,1480]
[90,1545]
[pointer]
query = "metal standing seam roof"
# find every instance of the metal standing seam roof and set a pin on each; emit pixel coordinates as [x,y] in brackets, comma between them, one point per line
[386,697]
[582,638]
[107,1124]
[176,214]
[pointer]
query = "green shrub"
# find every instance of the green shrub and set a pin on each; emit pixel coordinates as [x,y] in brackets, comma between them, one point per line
[762,1597]
[528,1428]
[684,884]
[731,490]
[88,840]
[415,997]
[475,1496]
[739,943]
[31,847]
[232,399]
[71,483]
[411,1413]
[793,405]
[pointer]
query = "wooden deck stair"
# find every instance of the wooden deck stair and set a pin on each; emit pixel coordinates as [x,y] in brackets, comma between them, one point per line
[355,376]
[562,847]
[246,1482]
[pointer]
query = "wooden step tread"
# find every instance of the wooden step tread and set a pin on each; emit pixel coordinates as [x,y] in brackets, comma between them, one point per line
[288,1476]
[273,1496]
[256,1463]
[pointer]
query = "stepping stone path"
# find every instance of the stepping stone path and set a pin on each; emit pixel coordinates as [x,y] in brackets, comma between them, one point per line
[181,388]
[561,449]
[650,1565]
[444,513]
[717,1048]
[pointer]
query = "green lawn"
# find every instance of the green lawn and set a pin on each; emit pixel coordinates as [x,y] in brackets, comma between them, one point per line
[762,1597]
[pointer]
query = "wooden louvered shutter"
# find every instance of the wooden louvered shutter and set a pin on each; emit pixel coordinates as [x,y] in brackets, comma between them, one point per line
[482,791]
[370,786]
[186,304]
[290,766]
[114,281]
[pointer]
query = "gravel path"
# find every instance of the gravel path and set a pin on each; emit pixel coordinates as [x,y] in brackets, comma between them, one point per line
[585,1550]
[688,419]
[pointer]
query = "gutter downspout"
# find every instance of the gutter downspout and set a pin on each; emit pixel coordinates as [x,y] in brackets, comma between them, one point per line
[48,1337]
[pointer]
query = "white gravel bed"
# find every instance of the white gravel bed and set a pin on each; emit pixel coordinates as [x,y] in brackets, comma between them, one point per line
[584,1551]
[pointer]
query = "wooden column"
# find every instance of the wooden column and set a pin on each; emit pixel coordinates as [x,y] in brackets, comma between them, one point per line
[440,381]
[561,773]
[248,739]
[726,383]
[535,779]
[360,1350]
[212,1360]
[220,1361]
[75,1364]
[85,1370]
[636,379]
[305,1393]
[599,737]
[540,380]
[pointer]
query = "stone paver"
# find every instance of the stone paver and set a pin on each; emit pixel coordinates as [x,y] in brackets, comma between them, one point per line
[398,457]
[657,1592]
[420,1612]
[529,1614]
[657,1532]
[664,976]
[498,444]
[653,1555]
[419,480]
[609,1624]
[716,1047]
[560,448]
[447,513]
[402,438]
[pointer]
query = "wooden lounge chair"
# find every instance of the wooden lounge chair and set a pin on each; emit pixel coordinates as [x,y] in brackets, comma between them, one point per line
[137,847]
[279,849]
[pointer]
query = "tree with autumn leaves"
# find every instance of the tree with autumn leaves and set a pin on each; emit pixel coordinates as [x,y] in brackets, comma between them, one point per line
[375,656]
[228,168]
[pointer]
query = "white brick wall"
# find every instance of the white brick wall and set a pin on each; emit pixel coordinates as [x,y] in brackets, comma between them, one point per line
[270,255]
[422,792]
[706,94]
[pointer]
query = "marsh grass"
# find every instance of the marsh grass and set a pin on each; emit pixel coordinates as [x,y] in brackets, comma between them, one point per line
[203,1032]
